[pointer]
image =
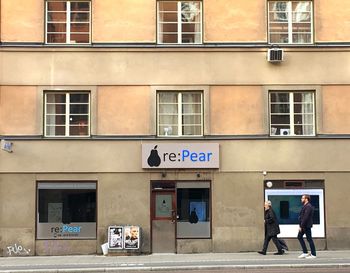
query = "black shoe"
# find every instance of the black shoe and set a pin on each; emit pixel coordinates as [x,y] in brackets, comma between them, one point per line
[279,253]
[262,252]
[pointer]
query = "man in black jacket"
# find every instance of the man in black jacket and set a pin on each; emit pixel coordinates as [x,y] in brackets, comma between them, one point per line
[305,225]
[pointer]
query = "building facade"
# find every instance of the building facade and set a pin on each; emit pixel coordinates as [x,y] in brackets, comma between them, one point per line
[169,116]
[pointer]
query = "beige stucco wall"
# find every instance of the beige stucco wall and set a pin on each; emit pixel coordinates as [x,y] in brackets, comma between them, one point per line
[17,195]
[124,110]
[236,110]
[124,21]
[234,21]
[18,110]
[22,21]
[336,111]
[332,21]
[171,67]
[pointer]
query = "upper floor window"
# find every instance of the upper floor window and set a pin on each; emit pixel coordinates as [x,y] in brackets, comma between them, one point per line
[180,113]
[290,22]
[68,22]
[179,22]
[67,114]
[292,113]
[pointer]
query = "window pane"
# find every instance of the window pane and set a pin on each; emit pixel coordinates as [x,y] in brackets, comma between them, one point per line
[56,109]
[78,119]
[57,27]
[79,17]
[303,97]
[56,119]
[81,27]
[168,38]
[191,119]
[280,130]
[56,6]
[303,108]
[279,97]
[168,6]
[80,6]
[191,97]
[280,119]
[168,119]
[168,108]
[79,38]
[280,108]
[191,38]
[56,38]
[190,11]
[165,28]
[168,130]
[56,17]
[168,17]
[302,38]
[193,212]
[79,130]
[191,109]
[168,97]
[163,205]
[79,109]
[79,98]
[55,130]
[191,130]
[305,130]
[56,98]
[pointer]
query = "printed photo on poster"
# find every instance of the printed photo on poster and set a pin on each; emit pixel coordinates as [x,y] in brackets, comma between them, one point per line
[115,237]
[131,237]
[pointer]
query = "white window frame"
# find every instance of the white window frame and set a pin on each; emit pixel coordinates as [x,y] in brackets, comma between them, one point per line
[67,113]
[291,112]
[68,22]
[290,23]
[179,24]
[291,231]
[179,113]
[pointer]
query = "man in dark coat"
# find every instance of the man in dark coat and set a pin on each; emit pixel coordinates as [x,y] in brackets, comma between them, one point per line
[271,229]
[305,225]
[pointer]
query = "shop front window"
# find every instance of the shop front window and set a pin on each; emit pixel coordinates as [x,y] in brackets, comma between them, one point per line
[287,206]
[193,210]
[66,210]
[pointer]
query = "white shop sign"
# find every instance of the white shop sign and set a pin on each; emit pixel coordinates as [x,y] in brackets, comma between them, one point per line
[180,156]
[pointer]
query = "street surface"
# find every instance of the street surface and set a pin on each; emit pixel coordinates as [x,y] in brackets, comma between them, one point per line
[302,270]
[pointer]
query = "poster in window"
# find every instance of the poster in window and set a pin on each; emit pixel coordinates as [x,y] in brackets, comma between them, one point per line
[115,237]
[197,212]
[131,237]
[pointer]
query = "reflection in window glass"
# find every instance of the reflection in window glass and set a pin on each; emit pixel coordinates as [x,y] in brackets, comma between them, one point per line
[179,22]
[193,211]
[68,22]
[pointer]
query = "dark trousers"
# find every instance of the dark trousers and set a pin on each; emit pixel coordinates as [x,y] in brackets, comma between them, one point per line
[301,233]
[275,241]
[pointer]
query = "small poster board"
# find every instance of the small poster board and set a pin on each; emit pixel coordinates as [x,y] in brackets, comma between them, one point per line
[131,237]
[115,237]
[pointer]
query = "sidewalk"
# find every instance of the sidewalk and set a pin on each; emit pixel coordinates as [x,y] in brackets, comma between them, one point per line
[94,263]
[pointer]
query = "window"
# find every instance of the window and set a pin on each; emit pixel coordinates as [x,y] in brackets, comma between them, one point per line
[68,22]
[292,113]
[67,114]
[290,22]
[179,22]
[66,210]
[193,209]
[180,114]
[287,205]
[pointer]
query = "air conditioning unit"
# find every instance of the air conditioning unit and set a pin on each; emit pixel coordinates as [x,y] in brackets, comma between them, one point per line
[275,55]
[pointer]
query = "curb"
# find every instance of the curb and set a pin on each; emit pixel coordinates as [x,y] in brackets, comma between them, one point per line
[178,268]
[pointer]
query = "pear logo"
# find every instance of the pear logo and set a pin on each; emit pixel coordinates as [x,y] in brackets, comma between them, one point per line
[154,159]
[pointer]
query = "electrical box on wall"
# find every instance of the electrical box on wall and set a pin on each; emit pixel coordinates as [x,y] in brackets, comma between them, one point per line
[275,55]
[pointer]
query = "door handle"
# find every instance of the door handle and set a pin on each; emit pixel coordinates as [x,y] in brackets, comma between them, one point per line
[173,216]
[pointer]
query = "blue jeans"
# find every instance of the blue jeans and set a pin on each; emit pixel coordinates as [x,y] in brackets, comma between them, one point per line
[301,233]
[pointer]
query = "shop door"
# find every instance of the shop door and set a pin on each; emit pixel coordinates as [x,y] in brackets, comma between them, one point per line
[163,221]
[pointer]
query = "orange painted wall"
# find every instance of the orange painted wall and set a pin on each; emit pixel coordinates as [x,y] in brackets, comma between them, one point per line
[332,20]
[234,20]
[236,110]
[22,21]
[124,21]
[123,110]
[18,110]
[336,110]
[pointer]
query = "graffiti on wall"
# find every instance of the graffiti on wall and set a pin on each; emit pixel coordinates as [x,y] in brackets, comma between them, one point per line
[17,250]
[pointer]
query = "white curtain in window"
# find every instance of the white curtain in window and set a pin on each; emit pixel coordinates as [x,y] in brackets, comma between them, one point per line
[302,12]
[307,111]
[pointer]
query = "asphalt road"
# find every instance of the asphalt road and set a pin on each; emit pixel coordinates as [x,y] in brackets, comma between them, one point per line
[301,270]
